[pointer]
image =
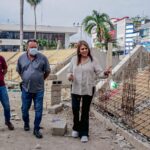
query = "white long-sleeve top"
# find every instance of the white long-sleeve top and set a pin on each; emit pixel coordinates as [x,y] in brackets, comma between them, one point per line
[84,76]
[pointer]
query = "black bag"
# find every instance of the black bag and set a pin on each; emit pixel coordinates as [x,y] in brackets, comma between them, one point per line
[20,84]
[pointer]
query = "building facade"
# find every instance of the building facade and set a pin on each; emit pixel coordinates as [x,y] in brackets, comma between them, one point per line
[144,33]
[10,35]
[125,34]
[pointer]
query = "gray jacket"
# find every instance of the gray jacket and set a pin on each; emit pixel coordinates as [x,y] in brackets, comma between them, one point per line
[32,72]
[84,76]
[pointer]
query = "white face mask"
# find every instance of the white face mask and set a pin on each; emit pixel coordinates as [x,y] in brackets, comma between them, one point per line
[33,51]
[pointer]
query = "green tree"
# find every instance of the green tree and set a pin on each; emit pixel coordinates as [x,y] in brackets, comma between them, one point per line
[46,44]
[43,44]
[100,23]
[34,4]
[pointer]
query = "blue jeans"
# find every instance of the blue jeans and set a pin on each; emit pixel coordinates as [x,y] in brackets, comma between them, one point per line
[4,99]
[38,107]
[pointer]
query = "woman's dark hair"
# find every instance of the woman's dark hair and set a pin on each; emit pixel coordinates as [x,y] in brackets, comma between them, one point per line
[80,43]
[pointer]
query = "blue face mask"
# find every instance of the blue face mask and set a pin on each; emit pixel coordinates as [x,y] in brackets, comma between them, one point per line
[33,51]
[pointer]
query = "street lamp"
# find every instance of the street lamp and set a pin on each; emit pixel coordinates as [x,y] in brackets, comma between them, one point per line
[79,28]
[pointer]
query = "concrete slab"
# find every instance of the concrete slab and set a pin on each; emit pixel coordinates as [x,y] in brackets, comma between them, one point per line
[55,109]
[59,128]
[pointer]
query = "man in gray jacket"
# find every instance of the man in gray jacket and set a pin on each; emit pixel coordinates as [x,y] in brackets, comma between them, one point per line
[33,68]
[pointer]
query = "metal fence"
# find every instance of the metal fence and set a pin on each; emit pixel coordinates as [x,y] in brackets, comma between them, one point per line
[129,102]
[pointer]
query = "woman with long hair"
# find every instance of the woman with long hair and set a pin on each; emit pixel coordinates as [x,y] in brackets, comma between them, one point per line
[82,72]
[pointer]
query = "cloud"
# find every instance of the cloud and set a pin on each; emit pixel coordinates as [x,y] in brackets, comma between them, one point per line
[65,12]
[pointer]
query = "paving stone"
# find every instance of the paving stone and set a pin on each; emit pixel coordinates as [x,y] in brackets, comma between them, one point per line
[59,127]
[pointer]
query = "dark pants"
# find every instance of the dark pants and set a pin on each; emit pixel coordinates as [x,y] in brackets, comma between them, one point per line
[5,102]
[81,124]
[38,106]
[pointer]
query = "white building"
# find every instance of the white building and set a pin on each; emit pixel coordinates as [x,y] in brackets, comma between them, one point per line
[125,34]
[10,35]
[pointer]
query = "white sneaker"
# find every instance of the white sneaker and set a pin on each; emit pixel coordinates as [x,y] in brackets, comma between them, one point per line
[75,134]
[84,139]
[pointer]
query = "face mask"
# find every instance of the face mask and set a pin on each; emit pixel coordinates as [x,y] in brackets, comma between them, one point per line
[33,51]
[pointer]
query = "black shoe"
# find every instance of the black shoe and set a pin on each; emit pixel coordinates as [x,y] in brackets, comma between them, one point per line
[26,127]
[9,125]
[38,134]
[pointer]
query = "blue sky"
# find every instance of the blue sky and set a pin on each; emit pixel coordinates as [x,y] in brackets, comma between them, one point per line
[65,12]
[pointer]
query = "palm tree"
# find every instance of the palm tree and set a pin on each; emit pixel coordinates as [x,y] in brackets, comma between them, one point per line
[21,24]
[34,4]
[100,22]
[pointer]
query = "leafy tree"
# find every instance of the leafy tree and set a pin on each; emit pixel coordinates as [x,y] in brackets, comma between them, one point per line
[42,43]
[46,44]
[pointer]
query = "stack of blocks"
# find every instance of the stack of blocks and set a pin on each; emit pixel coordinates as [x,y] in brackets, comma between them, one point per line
[55,97]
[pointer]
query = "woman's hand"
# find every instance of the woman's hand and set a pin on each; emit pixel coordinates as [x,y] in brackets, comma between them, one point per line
[71,77]
[107,71]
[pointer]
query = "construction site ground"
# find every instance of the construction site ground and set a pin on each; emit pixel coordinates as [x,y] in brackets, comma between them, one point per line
[101,138]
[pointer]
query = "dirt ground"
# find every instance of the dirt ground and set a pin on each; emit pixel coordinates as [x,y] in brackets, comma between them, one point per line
[100,137]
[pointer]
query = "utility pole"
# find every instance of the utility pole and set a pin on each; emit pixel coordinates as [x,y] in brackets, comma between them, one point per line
[21,24]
